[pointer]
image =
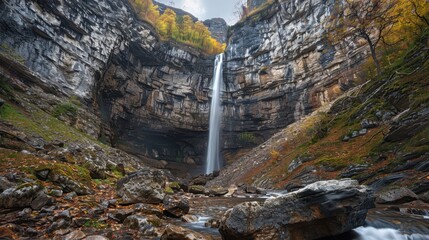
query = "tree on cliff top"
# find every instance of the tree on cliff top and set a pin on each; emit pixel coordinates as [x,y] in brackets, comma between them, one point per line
[370,20]
[179,28]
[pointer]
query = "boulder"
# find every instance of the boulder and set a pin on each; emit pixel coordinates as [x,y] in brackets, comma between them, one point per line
[218,191]
[320,209]
[25,195]
[144,186]
[176,206]
[189,218]
[396,196]
[139,223]
[173,232]
[120,215]
[197,189]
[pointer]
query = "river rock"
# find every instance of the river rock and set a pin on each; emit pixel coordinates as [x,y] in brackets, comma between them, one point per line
[176,206]
[189,218]
[144,186]
[25,195]
[396,196]
[139,223]
[173,232]
[197,189]
[320,209]
[218,191]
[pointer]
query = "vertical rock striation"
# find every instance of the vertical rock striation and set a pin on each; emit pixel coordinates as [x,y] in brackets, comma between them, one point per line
[280,66]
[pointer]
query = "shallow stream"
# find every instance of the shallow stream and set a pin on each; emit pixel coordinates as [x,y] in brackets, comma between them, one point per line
[382,223]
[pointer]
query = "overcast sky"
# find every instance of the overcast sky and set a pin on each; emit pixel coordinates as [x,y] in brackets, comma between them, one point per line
[205,9]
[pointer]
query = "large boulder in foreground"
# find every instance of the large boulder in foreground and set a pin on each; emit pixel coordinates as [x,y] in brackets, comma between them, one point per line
[321,209]
[144,186]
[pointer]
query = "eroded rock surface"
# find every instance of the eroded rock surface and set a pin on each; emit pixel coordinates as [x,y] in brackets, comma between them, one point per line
[321,209]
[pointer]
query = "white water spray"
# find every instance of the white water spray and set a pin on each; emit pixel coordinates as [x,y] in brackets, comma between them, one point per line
[371,233]
[213,162]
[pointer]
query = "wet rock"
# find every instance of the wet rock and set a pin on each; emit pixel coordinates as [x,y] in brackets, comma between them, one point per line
[212,223]
[75,235]
[197,189]
[321,209]
[189,218]
[24,195]
[176,206]
[396,196]
[173,232]
[120,215]
[251,189]
[145,186]
[139,223]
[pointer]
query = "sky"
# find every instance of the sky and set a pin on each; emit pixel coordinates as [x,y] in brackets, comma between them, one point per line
[206,9]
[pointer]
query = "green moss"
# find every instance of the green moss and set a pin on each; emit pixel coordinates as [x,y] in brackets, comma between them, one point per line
[169,190]
[65,109]
[247,138]
[94,223]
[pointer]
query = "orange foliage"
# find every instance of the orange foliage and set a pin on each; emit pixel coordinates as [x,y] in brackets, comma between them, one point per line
[180,29]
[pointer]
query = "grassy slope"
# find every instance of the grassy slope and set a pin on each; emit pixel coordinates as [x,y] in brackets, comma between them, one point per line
[321,138]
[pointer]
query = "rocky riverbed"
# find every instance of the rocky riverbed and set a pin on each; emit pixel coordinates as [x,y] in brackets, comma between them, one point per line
[43,209]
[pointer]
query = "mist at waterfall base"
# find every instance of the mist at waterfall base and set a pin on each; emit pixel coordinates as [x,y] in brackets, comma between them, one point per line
[212,160]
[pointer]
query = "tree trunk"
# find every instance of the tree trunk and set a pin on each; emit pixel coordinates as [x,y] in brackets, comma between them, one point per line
[373,53]
[374,57]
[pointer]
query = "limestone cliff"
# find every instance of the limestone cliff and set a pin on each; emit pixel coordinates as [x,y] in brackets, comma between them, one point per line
[150,97]
[280,67]
[151,94]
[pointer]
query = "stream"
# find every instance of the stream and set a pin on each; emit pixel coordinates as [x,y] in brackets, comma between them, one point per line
[382,223]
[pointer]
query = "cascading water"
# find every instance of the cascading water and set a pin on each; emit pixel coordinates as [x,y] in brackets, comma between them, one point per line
[213,162]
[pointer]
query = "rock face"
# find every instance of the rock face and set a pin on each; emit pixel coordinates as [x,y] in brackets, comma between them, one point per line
[26,195]
[321,209]
[144,186]
[280,67]
[152,97]
[218,28]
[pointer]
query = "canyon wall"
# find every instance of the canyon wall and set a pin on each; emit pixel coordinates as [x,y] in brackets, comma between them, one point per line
[280,66]
[152,97]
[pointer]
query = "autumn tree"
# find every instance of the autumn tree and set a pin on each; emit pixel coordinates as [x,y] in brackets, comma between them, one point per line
[179,28]
[370,20]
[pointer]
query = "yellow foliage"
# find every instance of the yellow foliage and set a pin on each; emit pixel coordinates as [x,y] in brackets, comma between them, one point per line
[181,29]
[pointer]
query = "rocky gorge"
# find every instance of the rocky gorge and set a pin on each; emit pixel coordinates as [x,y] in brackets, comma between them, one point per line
[94,105]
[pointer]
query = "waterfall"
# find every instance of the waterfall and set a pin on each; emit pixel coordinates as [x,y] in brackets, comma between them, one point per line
[213,161]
